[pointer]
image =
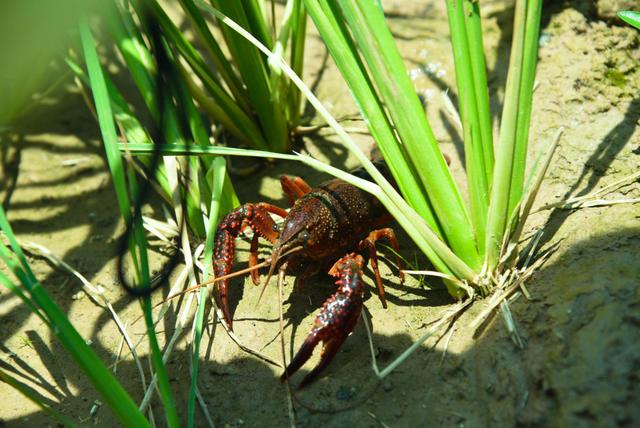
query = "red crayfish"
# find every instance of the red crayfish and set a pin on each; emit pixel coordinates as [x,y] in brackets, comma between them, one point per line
[325,228]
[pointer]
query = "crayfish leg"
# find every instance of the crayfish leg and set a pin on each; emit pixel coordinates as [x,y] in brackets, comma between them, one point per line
[253,259]
[294,188]
[370,243]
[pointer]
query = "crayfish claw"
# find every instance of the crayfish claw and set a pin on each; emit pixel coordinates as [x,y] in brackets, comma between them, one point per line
[257,217]
[304,353]
[223,263]
[336,320]
[329,350]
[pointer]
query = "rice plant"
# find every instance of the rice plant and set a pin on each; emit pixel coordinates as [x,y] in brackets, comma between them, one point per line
[242,93]
[473,243]
[467,241]
[474,232]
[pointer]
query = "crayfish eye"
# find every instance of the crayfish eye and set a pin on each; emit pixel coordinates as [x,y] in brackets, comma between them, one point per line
[304,235]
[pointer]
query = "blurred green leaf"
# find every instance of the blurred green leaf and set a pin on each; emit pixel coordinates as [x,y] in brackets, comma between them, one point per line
[630,17]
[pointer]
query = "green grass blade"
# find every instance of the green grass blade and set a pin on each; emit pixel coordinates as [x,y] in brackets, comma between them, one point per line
[254,72]
[137,245]
[99,375]
[105,119]
[499,199]
[378,47]
[201,138]
[481,87]
[139,60]
[258,22]
[170,411]
[529,61]
[279,82]
[220,62]
[630,17]
[224,109]
[131,127]
[298,35]
[343,50]
[185,150]
[468,105]
[230,201]
[218,173]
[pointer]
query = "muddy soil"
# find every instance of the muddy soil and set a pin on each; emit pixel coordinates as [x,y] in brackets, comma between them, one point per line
[579,360]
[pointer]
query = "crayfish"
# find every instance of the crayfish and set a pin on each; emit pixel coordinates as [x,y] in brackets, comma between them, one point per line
[325,229]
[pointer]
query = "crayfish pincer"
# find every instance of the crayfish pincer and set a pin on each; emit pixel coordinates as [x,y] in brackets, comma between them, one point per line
[325,230]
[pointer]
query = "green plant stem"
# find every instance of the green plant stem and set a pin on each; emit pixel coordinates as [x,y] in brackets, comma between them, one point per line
[220,62]
[166,396]
[298,31]
[481,88]
[529,61]
[468,105]
[343,50]
[500,190]
[136,55]
[224,108]
[218,173]
[111,391]
[398,206]
[137,245]
[378,47]
[255,74]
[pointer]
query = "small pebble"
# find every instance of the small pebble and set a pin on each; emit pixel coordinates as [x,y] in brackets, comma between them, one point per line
[345,393]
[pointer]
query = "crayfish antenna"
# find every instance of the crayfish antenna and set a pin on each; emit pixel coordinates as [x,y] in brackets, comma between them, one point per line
[274,261]
[275,257]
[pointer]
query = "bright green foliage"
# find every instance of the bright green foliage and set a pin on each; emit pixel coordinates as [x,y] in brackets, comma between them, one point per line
[127,192]
[171,107]
[31,292]
[370,42]
[244,94]
[632,18]
[252,101]
[364,50]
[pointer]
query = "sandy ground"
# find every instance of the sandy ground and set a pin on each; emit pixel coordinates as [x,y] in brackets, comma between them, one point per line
[580,358]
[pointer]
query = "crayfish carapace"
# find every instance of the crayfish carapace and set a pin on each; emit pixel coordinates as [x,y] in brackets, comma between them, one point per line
[325,229]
